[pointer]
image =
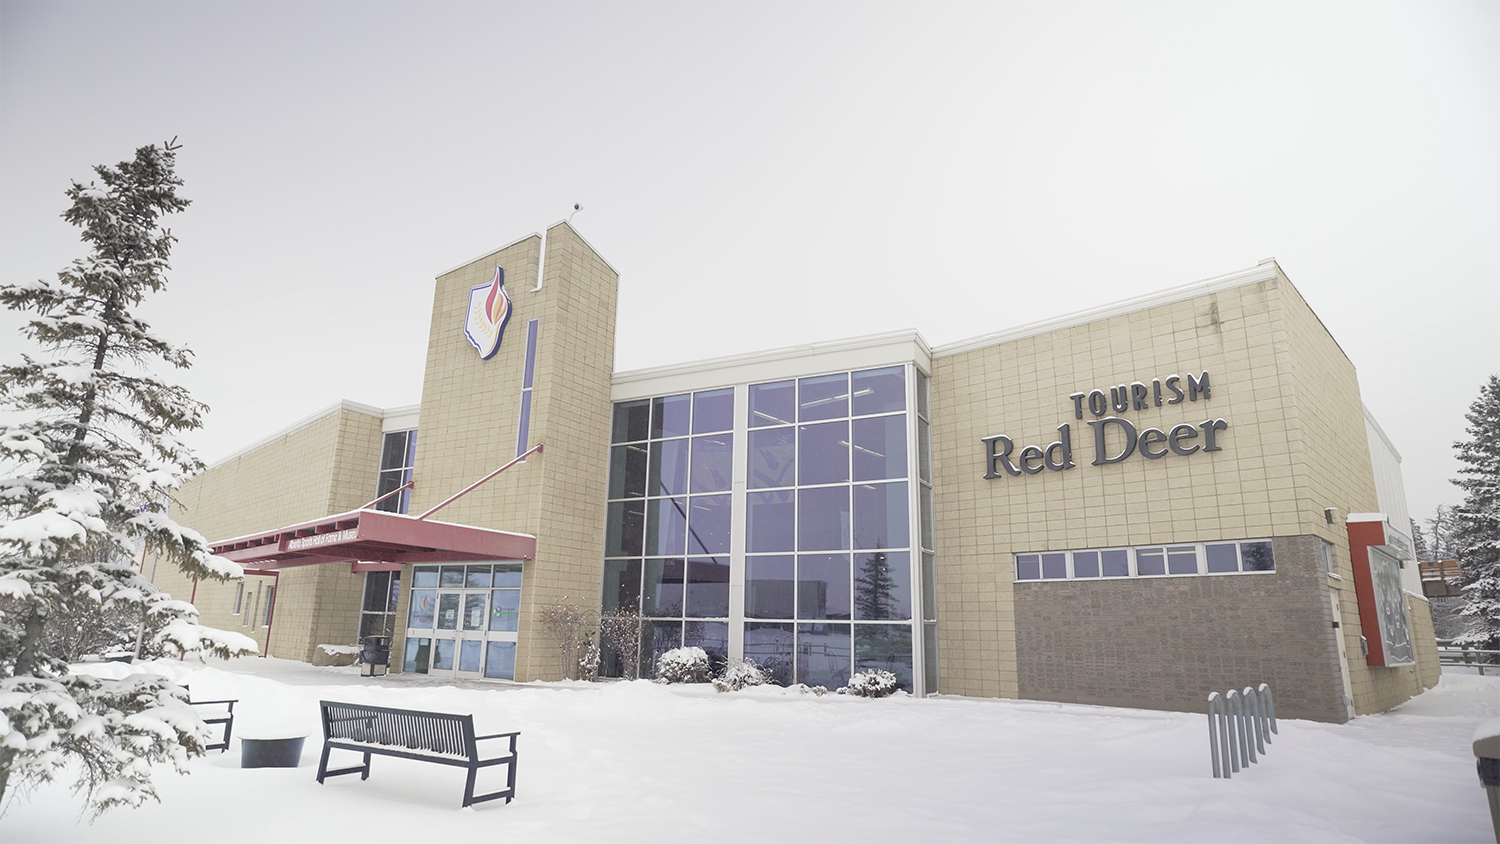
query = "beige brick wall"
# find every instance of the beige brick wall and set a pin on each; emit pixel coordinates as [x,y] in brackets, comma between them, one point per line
[1021,389]
[325,467]
[1331,468]
[1419,610]
[470,413]
[1295,445]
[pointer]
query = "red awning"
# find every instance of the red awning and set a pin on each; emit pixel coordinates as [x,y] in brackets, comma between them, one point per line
[386,540]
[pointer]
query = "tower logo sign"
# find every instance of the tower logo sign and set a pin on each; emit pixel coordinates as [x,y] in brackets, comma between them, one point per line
[489,311]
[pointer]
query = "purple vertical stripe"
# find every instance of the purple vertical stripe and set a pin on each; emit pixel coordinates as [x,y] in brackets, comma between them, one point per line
[530,355]
[521,444]
[523,435]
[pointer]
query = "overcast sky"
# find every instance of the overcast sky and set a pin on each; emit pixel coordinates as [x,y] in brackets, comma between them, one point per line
[772,174]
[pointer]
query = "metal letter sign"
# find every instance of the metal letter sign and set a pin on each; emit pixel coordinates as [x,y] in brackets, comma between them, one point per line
[489,311]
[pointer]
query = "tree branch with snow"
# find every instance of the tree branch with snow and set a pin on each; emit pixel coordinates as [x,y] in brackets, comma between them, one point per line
[87,476]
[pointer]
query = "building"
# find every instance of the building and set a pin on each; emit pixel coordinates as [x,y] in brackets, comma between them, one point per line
[1131,505]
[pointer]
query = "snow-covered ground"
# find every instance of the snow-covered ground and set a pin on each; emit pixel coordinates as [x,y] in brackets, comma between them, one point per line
[640,762]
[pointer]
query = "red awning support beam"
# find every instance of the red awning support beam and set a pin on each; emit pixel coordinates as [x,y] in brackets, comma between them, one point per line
[271,610]
[397,490]
[471,487]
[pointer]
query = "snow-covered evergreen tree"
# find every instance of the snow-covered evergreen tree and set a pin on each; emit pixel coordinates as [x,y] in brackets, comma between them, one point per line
[1442,535]
[1477,534]
[1439,542]
[1419,542]
[85,475]
[874,588]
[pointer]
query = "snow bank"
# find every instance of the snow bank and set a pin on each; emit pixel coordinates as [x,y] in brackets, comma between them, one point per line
[639,761]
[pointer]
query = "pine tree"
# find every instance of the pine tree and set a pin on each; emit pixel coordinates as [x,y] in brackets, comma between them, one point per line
[1477,534]
[1438,543]
[1442,532]
[87,473]
[873,588]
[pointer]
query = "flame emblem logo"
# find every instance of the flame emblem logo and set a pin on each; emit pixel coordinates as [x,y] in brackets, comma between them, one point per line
[489,311]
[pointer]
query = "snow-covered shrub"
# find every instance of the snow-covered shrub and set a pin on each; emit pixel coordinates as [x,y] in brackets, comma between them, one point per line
[682,665]
[569,626]
[588,664]
[739,674]
[805,689]
[620,639]
[874,683]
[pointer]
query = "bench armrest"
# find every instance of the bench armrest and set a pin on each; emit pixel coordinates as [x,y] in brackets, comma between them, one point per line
[496,735]
[213,702]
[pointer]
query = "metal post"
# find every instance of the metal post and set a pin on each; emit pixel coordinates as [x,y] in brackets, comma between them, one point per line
[1252,706]
[1232,704]
[397,490]
[1215,705]
[471,487]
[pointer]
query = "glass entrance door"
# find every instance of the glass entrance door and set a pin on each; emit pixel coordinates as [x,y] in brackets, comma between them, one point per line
[471,631]
[463,621]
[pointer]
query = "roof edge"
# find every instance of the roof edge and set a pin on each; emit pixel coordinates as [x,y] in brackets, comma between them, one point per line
[592,247]
[1264,271]
[783,353]
[1370,417]
[338,407]
[487,253]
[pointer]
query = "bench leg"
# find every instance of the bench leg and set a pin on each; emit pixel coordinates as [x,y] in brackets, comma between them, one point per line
[510,778]
[469,788]
[323,772]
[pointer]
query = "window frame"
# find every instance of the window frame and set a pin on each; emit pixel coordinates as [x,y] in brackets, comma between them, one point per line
[1165,549]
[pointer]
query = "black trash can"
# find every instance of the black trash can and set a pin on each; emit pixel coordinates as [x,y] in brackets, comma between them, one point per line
[1487,753]
[374,656]
[271,752]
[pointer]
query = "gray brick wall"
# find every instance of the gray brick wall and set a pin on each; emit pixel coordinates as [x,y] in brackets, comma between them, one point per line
[1165,643]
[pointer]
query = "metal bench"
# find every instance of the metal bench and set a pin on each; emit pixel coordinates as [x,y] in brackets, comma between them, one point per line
[227,719]
[439,737]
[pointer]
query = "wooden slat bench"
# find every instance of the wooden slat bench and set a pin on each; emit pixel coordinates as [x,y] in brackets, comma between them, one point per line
[439,737]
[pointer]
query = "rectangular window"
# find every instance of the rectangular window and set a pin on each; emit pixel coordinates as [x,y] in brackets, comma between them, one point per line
[500,661]
[1115,562]
[1252,556]
[1182,560]
[528,373]
[1085,563]
[270,604]
[1150,562]
[1256,556]
[423,609]
[378,612]
[1328,563]
[1223,558]
[505,610]
[398,455]
[418,654]
[1054,566]
[1028,567]
[239,596]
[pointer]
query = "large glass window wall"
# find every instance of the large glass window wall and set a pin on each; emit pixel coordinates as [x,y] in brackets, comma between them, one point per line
[830,521]
[828,527]
[670,510]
